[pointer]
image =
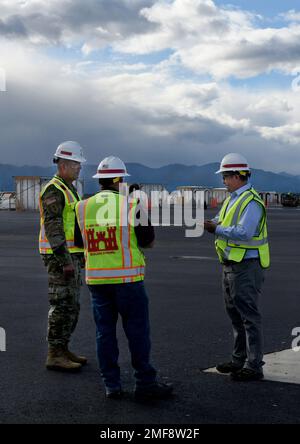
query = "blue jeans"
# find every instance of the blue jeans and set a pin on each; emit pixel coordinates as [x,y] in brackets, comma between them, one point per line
[131,302]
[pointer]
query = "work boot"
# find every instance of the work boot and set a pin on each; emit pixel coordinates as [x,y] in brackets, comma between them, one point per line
[115,393]
[157,390]
[229,367]
[57,360]
[247,374]
[75,358]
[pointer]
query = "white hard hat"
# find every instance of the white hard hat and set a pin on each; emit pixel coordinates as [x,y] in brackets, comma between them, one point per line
[233,162]
[111,167]
[71,151]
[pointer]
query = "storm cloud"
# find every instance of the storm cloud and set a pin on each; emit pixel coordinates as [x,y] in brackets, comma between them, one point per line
[148,81]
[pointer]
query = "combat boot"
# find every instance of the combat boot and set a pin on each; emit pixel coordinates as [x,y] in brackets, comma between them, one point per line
[57,360]
[75,358]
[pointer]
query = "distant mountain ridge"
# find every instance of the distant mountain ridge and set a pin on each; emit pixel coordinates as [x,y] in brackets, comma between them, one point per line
[171,176]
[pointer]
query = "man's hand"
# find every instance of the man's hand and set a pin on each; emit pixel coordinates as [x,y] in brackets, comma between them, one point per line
[69,271]
[210,226]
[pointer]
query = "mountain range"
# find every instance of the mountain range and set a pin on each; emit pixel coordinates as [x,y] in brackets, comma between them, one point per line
[170,176]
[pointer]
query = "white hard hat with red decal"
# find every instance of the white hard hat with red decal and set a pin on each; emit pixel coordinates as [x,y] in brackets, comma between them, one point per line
[111,167]
[70,151]
[233,162]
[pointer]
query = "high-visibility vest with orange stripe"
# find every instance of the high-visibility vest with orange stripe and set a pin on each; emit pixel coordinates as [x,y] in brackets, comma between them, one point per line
[112,254]
[68,218]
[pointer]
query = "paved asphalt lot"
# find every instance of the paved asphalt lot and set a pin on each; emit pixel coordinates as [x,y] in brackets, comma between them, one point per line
[190,332]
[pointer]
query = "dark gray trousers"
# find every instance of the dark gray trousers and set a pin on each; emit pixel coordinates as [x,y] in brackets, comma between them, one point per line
[242,283]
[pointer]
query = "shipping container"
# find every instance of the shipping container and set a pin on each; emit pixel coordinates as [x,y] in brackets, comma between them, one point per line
[7,200]
[28,190]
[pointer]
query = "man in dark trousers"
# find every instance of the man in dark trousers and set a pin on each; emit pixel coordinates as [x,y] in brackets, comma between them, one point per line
[241,242]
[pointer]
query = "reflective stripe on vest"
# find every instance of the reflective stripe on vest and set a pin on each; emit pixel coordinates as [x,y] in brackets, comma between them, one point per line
[104,273]
[111,250]
[68,218]
[250,243]
[229,249]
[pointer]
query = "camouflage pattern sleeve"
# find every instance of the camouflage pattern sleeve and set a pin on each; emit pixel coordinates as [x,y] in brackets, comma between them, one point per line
[53,203]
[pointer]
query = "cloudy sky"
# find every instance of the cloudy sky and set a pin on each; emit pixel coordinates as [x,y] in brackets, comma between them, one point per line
[152,81]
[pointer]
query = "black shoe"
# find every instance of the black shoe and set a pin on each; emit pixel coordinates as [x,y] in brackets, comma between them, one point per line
[229,367]
[113,393]
[157,390]
[247,374]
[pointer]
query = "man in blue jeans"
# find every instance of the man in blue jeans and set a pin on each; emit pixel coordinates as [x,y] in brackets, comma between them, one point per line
[115,277]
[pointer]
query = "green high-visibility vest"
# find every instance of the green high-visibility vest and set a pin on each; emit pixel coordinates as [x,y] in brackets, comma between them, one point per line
[112,255]
[68,218]
[232,250]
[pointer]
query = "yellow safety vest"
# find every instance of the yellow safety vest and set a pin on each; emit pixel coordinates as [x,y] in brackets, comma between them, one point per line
[111,250]
[232,250]
[68,218]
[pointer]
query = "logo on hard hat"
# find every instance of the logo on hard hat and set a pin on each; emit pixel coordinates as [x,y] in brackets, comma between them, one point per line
[105,166]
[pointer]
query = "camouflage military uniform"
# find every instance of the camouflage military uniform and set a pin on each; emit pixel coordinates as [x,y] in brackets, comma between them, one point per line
[63,294]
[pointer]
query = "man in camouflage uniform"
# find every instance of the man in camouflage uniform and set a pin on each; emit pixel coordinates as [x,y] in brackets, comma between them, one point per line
[62,257]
